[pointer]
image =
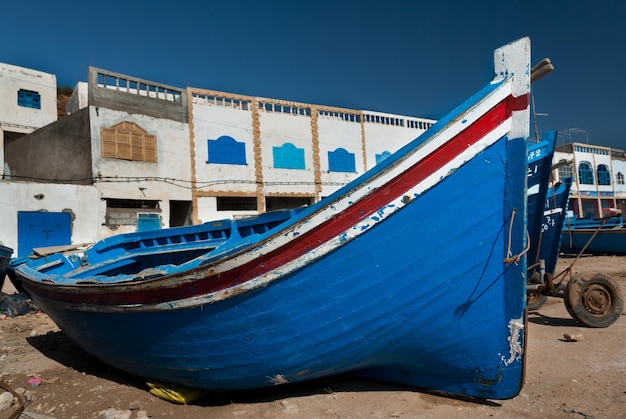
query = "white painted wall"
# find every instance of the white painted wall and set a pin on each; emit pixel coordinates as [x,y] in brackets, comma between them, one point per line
[169,179]
[207,211]
[15,118]
[619,166]
[79,98]
[337,133]
[12,79]
[277,129]
[83,201]
[381,137]
[211,122]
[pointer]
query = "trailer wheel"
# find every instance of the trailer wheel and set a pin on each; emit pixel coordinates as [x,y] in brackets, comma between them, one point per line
[534,300]
[596,302]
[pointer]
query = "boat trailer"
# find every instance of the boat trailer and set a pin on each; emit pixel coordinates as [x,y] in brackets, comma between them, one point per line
[593,299]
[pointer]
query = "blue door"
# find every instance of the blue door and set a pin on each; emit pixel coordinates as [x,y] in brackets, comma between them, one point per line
[147,221]
[42,229]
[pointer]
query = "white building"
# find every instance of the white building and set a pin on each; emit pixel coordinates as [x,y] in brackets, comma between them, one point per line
[258,154]
[598,178]
[134,154]
[28,100]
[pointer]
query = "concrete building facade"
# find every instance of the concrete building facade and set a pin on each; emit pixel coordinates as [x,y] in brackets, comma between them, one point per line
[28,100]
[133,154]
[598,173]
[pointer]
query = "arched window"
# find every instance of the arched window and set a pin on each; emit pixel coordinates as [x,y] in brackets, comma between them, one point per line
[382,156]
[585,173]
[225,150]
[341,160]
[604,176]
[619,178]
[288,156]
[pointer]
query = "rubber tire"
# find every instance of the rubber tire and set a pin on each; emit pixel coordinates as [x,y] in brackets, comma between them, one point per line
[596,302]
[534,301]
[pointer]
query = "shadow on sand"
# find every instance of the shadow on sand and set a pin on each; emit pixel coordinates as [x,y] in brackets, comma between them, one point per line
[542,319]
[58,347]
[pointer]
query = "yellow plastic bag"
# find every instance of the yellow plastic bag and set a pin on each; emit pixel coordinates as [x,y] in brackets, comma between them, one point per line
[175,394]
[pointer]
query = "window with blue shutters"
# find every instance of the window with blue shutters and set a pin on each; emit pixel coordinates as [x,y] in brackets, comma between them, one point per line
[288,156]
[585,173]
[341,160]
[28,99]
[226,150]
[604,176]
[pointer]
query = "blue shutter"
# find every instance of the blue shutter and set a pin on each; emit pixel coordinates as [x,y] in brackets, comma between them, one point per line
[288,156]
[226,150]
[28,99]
[341,160]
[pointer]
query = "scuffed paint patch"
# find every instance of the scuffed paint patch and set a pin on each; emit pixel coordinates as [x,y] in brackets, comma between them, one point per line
[278,379]
[516,327]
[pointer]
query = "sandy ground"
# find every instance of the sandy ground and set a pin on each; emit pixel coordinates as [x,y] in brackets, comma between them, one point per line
[583,379]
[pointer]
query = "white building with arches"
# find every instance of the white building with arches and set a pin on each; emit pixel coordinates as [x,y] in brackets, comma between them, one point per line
[598,173]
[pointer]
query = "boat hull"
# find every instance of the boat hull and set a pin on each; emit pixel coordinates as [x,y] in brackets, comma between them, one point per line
[608,241]
[5,259]
[366,306]
[414,273]
[552,224]
[539,170]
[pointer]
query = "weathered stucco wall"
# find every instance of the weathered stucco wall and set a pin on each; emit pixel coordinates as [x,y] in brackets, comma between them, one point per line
[58,152]
[82,201]
[168,178]
[134,95]
[14,78]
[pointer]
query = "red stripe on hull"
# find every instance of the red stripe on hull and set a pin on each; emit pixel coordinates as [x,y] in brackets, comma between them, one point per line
[149,292]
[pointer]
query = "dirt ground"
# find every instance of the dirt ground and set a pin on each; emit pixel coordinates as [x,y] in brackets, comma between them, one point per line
[582,379]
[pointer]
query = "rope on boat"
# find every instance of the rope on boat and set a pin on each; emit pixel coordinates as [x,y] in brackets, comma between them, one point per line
[516,258]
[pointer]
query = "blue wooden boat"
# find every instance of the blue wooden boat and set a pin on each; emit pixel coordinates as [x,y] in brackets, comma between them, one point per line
[552,224]
[5,258]
[605,236]
[381,278]
[593,300]
[539,171]
[542,269]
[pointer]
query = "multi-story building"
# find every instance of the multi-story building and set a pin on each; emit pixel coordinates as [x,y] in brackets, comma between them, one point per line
[28,100]
[133,154]
[598,178]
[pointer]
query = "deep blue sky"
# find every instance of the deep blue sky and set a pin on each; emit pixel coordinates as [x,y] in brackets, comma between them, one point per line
[407,57]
